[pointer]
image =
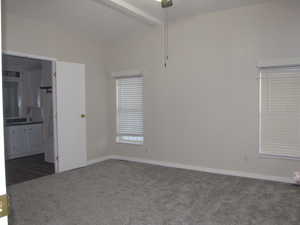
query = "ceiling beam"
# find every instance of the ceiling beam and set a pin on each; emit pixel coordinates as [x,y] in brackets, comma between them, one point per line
[131,10]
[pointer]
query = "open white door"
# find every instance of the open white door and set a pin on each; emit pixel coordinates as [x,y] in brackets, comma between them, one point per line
[71,121]
[3,220]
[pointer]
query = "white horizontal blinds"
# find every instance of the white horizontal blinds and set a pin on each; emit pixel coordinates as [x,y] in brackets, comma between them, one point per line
[280,112]
[130,91]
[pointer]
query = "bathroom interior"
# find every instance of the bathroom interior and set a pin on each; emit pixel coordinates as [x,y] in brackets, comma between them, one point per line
[28,118]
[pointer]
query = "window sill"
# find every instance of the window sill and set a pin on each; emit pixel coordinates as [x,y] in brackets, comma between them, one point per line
[129,143]
[284,157]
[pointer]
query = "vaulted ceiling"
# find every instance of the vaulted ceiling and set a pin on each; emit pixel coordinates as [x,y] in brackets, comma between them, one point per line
[186,8]
[94,18]
[84,16]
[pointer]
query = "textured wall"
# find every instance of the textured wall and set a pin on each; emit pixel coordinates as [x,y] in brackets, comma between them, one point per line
[203,109]
[31,37]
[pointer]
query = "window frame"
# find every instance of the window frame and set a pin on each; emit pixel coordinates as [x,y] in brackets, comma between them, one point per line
[118,138]
[262,70]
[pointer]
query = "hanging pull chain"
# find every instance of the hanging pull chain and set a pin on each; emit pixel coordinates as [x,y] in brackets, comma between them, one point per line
[165,4]
[166,39]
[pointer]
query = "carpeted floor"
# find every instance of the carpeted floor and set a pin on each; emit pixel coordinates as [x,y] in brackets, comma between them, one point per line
[125,193]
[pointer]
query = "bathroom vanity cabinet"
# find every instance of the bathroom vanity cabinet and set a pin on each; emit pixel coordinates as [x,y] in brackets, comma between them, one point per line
[23,140]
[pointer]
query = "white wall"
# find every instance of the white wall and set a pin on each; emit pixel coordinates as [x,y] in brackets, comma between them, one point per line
[203,109]
[32,37]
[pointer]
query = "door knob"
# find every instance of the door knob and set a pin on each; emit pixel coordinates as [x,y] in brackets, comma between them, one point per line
[83,115]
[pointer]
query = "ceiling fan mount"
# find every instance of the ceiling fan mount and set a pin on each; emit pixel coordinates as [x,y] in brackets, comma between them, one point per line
[166,3]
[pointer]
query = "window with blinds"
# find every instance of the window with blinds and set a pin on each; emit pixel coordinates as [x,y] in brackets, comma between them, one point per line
[280,112]
[130,110]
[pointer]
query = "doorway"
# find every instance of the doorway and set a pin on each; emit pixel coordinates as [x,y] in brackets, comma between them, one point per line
[29,124]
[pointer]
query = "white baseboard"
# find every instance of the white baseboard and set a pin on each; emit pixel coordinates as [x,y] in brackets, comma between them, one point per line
[98,160]
[196,168]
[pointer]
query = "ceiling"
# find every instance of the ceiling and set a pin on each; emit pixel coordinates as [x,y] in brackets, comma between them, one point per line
[186,8]
[95,19]
[79,16]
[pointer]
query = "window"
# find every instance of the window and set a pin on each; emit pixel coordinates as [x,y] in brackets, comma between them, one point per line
[280,112]
[130,110]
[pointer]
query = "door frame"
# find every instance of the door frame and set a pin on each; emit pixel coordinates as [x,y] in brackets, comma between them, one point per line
[54,101]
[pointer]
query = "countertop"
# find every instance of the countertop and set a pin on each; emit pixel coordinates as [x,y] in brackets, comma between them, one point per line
[22,123]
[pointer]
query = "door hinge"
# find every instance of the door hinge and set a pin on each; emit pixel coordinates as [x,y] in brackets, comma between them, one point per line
[4,205]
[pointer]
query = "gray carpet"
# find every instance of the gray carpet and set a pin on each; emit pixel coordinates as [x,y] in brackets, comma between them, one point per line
[124,193]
